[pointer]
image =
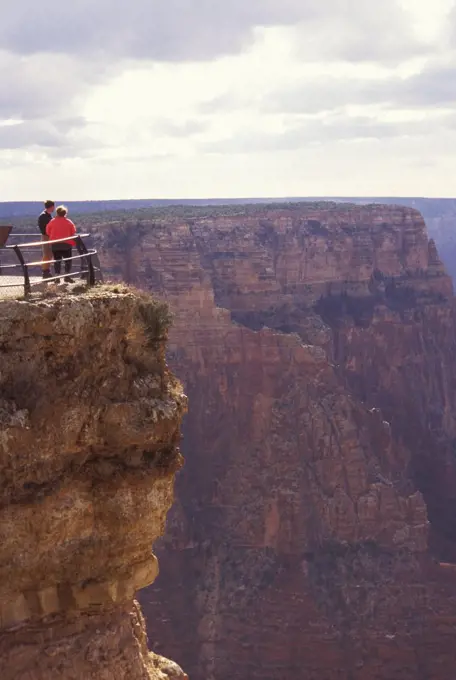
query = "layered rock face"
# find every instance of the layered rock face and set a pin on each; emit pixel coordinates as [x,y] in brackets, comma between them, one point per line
[90,426]
[316,344]
[441,224]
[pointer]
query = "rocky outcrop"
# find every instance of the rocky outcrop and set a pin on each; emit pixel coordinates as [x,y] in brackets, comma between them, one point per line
[317,505]
[90,427]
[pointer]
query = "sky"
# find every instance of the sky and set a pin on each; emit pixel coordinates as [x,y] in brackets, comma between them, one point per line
[107,99]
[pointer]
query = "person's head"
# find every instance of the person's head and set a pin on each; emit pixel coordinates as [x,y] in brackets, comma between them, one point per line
[62,211]
[49,206]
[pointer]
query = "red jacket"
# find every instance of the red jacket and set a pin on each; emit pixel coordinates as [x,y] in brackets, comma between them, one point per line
[61,227]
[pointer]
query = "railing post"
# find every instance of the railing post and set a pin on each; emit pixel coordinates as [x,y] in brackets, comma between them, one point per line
[20,257]
[82,250]
[91,271]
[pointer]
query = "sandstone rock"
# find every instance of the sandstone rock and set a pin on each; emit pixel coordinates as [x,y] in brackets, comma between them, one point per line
[168,669]
[316,343]
[90,426]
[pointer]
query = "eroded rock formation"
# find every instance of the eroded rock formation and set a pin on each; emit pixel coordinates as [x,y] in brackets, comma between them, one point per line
[317,347]
[90,426]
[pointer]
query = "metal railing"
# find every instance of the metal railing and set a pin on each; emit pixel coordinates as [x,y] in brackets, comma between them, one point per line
[20,275]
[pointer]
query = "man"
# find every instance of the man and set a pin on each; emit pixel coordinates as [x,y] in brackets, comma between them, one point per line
[43,221]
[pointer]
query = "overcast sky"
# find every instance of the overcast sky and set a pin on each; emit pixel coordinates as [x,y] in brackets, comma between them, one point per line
[215,98]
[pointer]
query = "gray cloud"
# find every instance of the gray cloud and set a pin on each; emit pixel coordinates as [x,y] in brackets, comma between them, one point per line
[53,51]
[42,85]
[173,30]
[33,133]
[40,133]
[43,92]
[178,30]
[354,31]
[316,131]
[432,88]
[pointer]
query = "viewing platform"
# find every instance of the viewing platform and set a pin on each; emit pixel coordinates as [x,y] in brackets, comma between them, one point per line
[21,263]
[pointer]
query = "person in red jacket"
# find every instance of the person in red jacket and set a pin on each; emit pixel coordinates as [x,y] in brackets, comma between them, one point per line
[61,227]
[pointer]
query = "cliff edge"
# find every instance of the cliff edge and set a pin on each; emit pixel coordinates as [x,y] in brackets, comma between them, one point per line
[89,430]
[316,516]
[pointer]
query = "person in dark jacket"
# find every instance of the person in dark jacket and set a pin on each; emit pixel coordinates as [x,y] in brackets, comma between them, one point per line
[43,220]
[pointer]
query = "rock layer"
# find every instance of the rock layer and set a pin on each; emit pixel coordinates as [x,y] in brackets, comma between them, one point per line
[90,427]
[316,346]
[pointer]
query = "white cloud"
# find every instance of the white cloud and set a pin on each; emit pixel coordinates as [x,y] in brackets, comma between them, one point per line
[178,30]
[110,99]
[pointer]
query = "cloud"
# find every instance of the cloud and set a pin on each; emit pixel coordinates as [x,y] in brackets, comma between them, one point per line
[315,131]
[42,96]
[55,55]
[61,137]
[434,86]
[179,30]
[452,25]
[352,31]
[431,88]
[42,85]
[34,133]
[187,128]
[174,30]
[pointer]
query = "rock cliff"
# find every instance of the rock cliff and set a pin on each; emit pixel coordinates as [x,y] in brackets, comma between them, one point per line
[90,426]
[316,344]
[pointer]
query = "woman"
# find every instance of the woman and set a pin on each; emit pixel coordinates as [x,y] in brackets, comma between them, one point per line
[58,228]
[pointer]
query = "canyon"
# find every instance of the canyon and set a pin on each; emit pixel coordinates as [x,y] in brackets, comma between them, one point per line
[313,534]
[89,448]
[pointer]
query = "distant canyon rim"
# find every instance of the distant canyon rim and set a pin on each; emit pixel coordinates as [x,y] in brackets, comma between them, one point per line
[315,342]
[313,533]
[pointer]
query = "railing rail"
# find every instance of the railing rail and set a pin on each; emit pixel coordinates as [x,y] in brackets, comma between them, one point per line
[89,270]
[40,243]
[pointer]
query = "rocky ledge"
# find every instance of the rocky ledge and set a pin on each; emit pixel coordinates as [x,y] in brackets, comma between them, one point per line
[89,431]
[316,518]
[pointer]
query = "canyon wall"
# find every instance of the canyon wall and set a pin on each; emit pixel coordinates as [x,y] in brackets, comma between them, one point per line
[90,426]
[314,529]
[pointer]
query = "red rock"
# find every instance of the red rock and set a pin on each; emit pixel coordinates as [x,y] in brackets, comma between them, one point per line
[316,345]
